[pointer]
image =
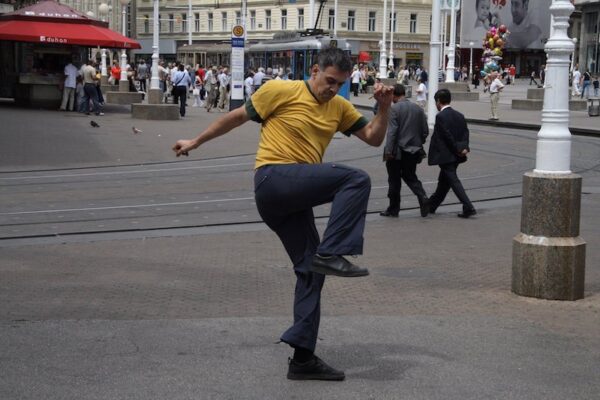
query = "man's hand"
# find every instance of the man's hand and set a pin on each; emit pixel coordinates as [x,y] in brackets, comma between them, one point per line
[464,153]
[183,147]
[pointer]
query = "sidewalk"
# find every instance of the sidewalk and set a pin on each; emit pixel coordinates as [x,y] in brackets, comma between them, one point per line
[478,112]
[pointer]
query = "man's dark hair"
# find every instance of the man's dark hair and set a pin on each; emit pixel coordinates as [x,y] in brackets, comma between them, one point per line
[335,57]
[443,96]
[399,90]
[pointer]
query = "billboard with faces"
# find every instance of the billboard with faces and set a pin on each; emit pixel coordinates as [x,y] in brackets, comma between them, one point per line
[527,20]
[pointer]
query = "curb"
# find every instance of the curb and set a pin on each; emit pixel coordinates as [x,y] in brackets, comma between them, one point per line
[507,124]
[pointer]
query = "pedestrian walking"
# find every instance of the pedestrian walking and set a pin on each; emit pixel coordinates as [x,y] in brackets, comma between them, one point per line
[406,134]
[532,79]
[449,148]
[495,88]
[181,84]
[142,75]
[211,87]
[249,85]
[421,94]
[224,89]
[587,79]
[290,179]
[355,77]
[596,85]
[197,92]
[575,82]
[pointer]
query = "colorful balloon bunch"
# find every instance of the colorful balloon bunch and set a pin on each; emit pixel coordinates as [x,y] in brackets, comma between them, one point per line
[493,43]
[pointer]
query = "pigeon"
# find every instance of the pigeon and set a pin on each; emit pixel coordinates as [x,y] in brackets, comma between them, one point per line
[136,130]
[94,124]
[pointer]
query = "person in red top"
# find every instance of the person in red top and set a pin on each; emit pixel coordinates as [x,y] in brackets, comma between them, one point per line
[201,72]
[115,73]
[512,71]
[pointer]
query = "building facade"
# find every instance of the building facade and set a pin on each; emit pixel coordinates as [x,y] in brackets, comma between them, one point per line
[589,36]
[360,22]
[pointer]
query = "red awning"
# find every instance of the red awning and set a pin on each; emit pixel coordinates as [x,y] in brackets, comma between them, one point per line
[50,22]
[64,33]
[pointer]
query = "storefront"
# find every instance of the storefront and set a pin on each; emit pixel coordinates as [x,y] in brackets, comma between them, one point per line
[38,41]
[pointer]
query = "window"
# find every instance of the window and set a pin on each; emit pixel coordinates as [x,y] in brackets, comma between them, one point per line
[331,18]
[283,20]
[171,23]
[210,21]
[224,21]
[392,23]
[591,22]
[268,20]
[253,20]
[413,23]
[351,17]
[146,23]
[372,20]
[184,24]
[197,22]
[301,18]
[238,17]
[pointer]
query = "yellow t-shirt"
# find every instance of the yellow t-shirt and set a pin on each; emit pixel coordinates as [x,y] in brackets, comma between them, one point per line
[296,129]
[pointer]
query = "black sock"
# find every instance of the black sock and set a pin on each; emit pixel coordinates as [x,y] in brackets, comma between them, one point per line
[302,355]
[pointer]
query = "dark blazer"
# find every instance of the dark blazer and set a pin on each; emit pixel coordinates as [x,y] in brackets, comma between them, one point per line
[450,137]
[407,129]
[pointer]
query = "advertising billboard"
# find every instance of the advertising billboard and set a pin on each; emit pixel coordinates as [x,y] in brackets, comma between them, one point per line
[527,20]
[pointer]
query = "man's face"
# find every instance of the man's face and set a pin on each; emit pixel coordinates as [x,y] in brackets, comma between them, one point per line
[518,10]
[327,83]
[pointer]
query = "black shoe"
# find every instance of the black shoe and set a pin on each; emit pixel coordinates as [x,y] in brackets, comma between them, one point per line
[336,265]
[388,213]
[314,369]
[432,209]
[467,213]
[425,207]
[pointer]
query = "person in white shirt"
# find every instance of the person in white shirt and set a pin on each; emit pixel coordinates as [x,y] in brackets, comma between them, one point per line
[224,81]
[68,99]
[576,81]
[421,94]
[249,85]
[258,78]
[355,81]
[495,89]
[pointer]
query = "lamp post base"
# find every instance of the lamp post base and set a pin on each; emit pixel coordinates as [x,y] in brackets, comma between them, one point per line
[548,254]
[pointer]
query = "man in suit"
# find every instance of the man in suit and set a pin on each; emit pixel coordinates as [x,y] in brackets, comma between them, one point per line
[448,148]
[406,133]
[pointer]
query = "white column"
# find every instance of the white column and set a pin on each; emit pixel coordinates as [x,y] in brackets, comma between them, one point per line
[155,81]
[442,58]
[471,44]
[434,55]
[391,57]
[124,29]
[452,44]
[103,70]
[382,55]
[554,138]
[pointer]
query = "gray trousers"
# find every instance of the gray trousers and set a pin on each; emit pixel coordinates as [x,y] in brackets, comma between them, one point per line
[285,196]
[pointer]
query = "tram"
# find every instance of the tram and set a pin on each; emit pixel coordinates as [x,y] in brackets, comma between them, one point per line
[295,55]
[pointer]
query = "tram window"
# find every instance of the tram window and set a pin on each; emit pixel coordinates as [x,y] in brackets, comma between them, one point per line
[299,65]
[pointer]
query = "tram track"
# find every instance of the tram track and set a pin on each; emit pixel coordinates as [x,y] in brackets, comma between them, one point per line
[59,174]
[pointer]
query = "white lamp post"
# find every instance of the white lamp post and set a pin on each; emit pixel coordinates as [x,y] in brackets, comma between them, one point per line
[123,83]
[434,56]
[471,44]
[103,11]
[392,23]
[548,253]
[452,44]
[382,55]
[155,81]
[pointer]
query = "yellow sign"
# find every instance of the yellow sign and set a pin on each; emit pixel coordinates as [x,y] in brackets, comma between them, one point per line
[238,31]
